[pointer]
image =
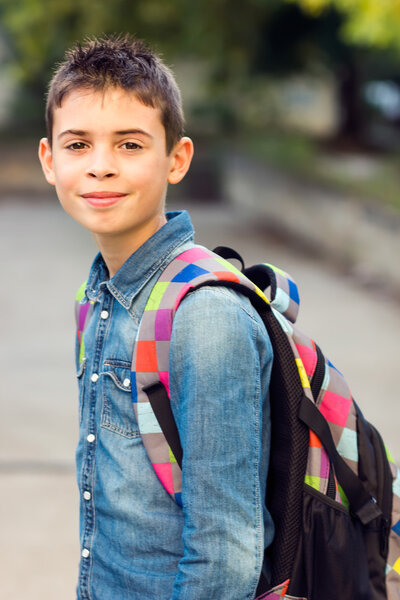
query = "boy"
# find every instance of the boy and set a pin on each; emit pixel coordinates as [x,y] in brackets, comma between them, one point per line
[115,141]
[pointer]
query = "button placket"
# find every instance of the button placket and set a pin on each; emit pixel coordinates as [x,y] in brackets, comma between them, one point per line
[88,470]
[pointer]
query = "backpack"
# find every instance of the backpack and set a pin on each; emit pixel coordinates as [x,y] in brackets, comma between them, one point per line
[333,490]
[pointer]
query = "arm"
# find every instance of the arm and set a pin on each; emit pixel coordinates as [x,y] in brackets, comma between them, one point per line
[220,364]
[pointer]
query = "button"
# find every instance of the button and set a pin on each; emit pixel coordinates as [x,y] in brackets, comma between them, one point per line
[126,382]
[87,495]
[94,377]
[85,553]
[90,438]
[104,314]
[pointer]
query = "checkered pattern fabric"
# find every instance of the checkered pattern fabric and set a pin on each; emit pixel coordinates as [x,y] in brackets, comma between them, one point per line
[284,293]
[151,351]
[336,404]
[151,354]
[150,360]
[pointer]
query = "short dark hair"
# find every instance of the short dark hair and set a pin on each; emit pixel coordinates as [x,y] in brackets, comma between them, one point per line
[119,61]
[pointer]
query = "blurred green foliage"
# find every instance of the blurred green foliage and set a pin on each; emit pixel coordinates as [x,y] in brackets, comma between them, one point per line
[229,33]
[221,32]
[371,22]
[240,42]
[38,31]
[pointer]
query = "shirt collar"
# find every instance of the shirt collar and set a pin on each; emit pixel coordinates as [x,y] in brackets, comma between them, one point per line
[152,256]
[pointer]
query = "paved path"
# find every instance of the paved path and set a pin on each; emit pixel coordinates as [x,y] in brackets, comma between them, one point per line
[45,258]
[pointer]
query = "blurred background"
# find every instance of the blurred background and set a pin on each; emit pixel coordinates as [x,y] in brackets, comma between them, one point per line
[294,107]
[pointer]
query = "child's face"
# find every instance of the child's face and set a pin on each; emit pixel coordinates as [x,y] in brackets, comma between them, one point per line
[109,164]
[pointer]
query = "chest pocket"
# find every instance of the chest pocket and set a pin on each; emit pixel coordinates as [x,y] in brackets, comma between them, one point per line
[117,413]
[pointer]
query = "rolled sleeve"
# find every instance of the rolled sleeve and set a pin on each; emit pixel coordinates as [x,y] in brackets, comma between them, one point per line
[220,362]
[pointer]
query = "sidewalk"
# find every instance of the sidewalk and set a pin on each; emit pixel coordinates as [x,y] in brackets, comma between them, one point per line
[44,258]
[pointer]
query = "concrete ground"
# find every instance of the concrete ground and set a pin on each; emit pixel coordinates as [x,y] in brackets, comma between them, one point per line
[45,257]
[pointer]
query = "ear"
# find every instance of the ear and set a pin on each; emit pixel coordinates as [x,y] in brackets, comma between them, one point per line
[181,157]
[46,160]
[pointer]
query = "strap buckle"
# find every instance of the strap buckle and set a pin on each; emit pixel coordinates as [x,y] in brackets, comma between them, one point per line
[369,511]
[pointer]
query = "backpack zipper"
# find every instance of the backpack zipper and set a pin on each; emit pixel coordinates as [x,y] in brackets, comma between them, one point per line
[331,489]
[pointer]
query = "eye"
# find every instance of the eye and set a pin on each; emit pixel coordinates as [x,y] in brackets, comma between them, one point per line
[77,146]
[131,146]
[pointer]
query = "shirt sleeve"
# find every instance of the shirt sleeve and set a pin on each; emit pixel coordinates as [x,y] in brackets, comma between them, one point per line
[220,363]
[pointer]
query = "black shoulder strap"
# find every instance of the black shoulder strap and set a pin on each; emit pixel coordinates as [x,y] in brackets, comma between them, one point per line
[161,405]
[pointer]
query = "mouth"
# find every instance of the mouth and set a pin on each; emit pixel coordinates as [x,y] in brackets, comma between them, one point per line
[102,199]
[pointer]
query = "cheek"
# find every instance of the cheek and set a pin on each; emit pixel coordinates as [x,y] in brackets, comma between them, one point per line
[65,177]
[152,171]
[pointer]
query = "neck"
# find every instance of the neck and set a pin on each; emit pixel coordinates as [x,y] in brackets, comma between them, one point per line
[115,250]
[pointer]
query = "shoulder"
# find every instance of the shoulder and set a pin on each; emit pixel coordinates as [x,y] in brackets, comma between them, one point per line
[218,313]
[221,300]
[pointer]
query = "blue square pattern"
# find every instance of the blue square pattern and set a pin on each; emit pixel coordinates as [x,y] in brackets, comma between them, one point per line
[133,386]
[396,528]
[293,292]
[188,273]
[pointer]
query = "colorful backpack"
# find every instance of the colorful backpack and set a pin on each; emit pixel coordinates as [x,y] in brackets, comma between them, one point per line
[333,490]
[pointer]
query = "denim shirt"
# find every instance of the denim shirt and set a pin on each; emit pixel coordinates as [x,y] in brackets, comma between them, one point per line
[136,543]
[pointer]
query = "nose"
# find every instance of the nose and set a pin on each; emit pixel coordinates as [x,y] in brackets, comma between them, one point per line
[102,165]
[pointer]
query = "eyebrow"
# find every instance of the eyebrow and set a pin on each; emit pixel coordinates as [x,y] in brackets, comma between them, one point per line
[71,132]
[134,131]
[82,133]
